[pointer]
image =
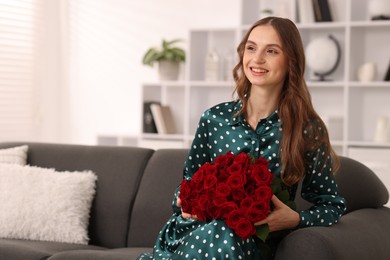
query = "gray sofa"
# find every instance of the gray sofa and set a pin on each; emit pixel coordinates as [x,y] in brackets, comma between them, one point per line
[133,201]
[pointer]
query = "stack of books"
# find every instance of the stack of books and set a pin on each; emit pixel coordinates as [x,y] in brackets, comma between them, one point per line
[158,118]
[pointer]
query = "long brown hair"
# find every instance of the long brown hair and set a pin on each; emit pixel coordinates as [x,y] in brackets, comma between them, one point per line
[295,108]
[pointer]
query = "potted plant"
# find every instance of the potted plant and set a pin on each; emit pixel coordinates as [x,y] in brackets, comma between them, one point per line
[168,58]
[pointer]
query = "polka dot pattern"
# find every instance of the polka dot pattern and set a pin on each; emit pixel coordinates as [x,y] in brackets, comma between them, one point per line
[218,132]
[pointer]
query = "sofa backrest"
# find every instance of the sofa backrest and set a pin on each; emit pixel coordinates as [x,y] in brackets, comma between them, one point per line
[119,170]
[152,207]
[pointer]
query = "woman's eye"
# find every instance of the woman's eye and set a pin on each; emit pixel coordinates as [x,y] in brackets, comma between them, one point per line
[250,48]
[272,51]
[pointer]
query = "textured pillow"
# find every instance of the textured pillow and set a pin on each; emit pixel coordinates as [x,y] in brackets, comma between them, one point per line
[44,204]
[15,155]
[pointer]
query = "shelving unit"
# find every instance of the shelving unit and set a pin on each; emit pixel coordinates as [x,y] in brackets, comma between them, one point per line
[351,107]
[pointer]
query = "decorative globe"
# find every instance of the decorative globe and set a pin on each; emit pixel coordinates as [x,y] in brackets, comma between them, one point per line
[323,55]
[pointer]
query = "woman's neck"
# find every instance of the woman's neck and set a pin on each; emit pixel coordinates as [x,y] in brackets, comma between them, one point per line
[261,104]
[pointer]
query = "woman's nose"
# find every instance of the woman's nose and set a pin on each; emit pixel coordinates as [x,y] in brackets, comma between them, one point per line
[259,57]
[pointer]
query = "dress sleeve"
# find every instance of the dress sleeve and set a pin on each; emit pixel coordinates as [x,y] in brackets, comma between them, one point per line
[320,188]
[198,154]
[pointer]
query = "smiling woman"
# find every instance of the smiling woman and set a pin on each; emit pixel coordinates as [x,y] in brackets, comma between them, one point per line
[273,118]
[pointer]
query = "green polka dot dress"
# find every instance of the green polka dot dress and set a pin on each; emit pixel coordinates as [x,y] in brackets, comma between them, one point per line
[219,132]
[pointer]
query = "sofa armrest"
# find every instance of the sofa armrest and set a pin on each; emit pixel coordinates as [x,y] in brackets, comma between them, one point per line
[361,234]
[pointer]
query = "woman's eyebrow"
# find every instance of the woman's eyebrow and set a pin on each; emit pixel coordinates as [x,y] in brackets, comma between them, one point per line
[268,45]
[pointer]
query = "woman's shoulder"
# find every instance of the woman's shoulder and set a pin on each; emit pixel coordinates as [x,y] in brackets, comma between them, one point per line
[316,135]
[222,113]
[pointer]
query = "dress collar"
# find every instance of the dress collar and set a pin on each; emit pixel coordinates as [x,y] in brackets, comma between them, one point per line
[272,119]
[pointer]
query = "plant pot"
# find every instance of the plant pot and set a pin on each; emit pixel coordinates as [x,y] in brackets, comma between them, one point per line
[168,70]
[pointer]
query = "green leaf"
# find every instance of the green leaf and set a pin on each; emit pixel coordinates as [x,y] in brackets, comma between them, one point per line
[262,232]
[291,204]
[150,56]
[276,185]
[167,52]
[283,195]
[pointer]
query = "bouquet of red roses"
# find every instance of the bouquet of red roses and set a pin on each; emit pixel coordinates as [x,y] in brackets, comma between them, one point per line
[236,189]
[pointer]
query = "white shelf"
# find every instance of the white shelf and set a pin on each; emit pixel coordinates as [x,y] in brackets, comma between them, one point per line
[372,84]
[368,144]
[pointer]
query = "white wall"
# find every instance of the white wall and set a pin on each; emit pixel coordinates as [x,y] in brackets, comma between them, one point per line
[107,41]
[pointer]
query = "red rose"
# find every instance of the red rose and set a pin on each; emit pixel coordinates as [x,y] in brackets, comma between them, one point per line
[242,159]
[200,208]
[225,159]
[223,175]
[202,202]
[250,186]
[263,193]
[223,190]
[185,190]
[210,181]
[238,194]
[236,180]
[186,205]
[261,174]
[246,203]
[219,200]
[211,170]
[214,212]
[199,174]
[262,161]
[255,215]
[245,228]
[228,207]
[263,206]
[234,168]
[233,217]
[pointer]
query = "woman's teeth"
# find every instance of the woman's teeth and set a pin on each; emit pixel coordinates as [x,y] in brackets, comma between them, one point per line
[259,70]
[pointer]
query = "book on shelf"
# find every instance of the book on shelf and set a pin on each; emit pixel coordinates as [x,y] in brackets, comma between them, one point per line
[305,11]
[322,12]
[149,126]
[387,76]
[163,118]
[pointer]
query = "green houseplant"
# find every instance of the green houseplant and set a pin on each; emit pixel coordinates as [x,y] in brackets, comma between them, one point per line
[168,57]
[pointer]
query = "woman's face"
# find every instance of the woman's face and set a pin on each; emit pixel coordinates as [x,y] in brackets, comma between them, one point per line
[265,62]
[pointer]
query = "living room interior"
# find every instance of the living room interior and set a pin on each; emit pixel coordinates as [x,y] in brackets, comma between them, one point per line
[80,78]
[76,72]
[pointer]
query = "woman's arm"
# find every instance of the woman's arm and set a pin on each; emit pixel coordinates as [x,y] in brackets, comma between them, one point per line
[320,188]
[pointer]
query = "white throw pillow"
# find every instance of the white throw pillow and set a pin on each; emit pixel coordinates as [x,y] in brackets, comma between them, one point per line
[15,155]
[44,204]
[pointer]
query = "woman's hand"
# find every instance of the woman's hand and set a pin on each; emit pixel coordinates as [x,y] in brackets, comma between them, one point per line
[183,214]
[282,217]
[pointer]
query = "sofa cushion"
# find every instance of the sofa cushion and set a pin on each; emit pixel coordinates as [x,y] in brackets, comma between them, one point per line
[43,204]
[117,254]
[152,205]
[360,186]
[14,155]
[119,170]
[15,249]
